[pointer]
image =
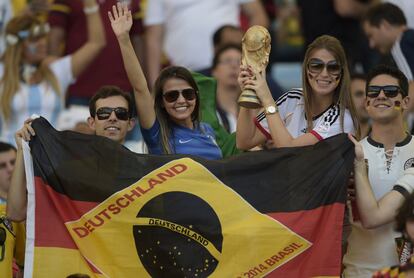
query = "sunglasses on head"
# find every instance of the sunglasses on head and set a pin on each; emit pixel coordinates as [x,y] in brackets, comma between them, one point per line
[316,66]
[104,113]
[390,91]
[171,96]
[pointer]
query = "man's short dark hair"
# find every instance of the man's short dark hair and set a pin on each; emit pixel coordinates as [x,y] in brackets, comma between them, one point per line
[109,91]
[217,34]
[221,50]
[5,147]
[385,11]
[391,71]
[359,76]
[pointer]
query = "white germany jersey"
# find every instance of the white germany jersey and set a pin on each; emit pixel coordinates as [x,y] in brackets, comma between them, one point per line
[371,250]
[292,111]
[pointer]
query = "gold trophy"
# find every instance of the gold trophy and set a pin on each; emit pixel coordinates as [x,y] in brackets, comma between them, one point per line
[256,50]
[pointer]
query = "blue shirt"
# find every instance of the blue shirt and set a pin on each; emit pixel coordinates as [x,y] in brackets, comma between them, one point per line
[199,141]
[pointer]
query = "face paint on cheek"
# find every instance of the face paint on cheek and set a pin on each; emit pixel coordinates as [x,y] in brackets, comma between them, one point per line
[337,80]
[397,105]
[311,76]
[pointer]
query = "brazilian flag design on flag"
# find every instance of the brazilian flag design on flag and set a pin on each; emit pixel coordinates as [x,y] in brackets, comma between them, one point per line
[98,209]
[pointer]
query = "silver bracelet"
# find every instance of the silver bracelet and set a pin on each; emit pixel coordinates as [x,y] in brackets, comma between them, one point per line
[91,10]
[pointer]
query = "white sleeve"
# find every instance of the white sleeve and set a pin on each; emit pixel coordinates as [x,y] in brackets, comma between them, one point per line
[330,124]
[407,180]
[286,105]
[154,14]
[62,69]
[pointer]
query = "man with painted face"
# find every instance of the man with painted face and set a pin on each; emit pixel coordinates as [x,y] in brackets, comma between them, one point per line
[110,116]
[389,150]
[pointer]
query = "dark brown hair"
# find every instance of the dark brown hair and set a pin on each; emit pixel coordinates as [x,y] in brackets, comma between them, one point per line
[162,116]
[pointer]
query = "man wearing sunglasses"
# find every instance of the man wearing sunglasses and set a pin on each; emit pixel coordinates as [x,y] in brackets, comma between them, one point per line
[111,116]
[389,150]
[111,113]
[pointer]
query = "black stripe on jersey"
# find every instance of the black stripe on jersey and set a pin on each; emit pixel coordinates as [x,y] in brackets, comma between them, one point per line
[261,116]
[283,100]
[332,116]
[295,93]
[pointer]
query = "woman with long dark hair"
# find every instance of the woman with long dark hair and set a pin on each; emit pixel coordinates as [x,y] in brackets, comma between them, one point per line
[170,117]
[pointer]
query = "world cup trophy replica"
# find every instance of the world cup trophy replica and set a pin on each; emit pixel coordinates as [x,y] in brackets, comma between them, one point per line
[256,50]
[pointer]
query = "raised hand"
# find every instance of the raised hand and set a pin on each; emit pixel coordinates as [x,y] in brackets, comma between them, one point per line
[244,75]
[121,19]
[25,133]
[359,152]
[259,84]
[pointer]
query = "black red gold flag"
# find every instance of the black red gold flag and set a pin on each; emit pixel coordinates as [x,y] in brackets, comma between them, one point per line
[98,209]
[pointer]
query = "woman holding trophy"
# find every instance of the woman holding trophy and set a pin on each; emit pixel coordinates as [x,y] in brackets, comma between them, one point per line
[303,116]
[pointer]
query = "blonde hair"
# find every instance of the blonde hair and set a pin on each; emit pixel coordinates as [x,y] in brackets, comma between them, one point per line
[342,95]
[12,61]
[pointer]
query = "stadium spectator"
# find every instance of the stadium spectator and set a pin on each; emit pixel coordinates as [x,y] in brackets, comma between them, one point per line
[226,68]
[386,28]
[358,85]
[68,29]
[340,19]
[389,151]
[12,235]
[321,109]
[34,83]
[184,30]
[169,120]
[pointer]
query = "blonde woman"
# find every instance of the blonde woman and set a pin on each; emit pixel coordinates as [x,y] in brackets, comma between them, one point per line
[302,116]
[32,82]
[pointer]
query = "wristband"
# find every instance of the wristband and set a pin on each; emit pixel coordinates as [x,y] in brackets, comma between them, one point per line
[91,10]
[407,180]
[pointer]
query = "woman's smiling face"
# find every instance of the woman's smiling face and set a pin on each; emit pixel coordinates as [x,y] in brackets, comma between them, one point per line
[323,83]
[180,110]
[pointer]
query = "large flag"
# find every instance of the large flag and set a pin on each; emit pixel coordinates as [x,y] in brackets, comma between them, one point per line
[98,209]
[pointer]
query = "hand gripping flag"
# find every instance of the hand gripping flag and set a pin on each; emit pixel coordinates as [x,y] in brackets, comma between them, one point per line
[98,209]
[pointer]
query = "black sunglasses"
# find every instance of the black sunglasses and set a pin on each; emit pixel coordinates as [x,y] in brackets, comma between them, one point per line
[390,91]
[104,113]
[171,96]
[316,66]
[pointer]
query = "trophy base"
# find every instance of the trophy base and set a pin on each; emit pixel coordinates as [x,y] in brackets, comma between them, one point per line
[248,99]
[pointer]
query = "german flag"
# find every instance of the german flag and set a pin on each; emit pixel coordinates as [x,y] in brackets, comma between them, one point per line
[98,209]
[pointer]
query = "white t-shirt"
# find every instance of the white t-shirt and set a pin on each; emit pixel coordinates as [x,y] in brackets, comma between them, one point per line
[38,99]
[189,26]
[292,111]
[374,249]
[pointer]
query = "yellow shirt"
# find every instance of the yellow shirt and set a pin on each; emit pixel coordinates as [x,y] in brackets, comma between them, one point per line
[14,245]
